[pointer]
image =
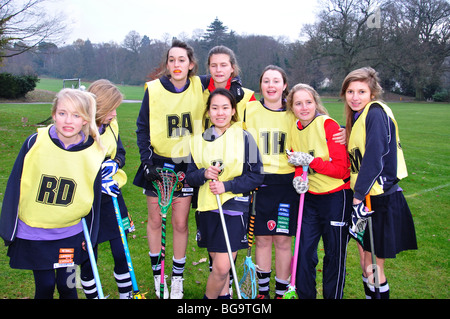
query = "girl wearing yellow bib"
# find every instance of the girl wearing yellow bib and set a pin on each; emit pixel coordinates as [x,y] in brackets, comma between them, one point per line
[224,161]
[54,183]
[327,205]
[171,111]
[276,201]
[377,165]
[108,99]
[224,70]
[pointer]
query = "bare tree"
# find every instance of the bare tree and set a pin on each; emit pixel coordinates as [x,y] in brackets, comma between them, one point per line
[344,35]
[26,24]
[416,43]
[132,41]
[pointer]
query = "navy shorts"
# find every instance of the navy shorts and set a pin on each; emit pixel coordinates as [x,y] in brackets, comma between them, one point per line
[210,232]
[182,189]
[276,210]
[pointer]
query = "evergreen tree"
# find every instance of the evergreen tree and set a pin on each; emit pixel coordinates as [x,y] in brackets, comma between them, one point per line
[217,34]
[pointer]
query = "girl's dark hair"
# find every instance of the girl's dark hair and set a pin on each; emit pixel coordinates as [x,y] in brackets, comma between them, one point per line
[283,75]
[227,94]
[190,53]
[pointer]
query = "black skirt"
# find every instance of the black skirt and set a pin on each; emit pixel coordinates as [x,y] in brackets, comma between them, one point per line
[109,228]
[47,254]
[393,226]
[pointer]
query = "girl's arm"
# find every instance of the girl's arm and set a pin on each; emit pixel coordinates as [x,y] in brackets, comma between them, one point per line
[194,176]
[9,215]
[377,147]
[251,174]
[120,154]
[143,131]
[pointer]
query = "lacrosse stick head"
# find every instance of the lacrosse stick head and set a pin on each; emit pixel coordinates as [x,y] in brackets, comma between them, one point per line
[165,187]
[248,284]
[290,293]
[138,295]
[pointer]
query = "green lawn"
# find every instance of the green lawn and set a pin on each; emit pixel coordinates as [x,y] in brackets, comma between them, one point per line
[130,92]
[421,274]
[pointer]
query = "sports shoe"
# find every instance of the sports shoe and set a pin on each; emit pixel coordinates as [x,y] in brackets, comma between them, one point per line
[157,280]
[176,289]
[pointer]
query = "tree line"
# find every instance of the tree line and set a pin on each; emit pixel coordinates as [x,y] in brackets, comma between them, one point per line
[407,42]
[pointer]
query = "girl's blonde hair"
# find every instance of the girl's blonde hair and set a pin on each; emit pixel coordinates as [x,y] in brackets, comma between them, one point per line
[84,104]
[367,75]
[301,86]
[108,98]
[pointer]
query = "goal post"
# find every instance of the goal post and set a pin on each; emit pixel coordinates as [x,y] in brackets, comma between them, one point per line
[72,83]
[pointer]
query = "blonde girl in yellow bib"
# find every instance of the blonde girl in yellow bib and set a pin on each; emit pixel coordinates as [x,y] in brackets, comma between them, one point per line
[108,99]
[54,183]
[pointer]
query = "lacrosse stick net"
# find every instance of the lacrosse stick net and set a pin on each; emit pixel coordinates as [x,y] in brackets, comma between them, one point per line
[165,188]
[248,284]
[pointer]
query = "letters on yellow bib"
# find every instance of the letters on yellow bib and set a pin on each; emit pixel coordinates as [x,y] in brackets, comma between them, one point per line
[60,182]
[183,114]
[270,131]
[312,140]
[228,151]
[357,148]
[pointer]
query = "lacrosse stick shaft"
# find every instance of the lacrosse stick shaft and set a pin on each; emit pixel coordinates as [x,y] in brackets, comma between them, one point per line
[90,250]
[291,291]
[299,229]
[136,291]
[251,227]
[372,251]
[227,242]
[165,189]
[163,256]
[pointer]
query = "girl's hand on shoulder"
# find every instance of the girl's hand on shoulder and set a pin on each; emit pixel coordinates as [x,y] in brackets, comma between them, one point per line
[340,137]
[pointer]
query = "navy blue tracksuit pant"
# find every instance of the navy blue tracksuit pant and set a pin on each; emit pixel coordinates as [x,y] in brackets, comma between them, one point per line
[326,216]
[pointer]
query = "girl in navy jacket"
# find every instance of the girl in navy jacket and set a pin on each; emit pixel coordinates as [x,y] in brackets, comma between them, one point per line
[55,181]
[225,161]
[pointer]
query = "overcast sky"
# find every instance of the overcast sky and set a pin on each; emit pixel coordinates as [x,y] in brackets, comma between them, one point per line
[111,20]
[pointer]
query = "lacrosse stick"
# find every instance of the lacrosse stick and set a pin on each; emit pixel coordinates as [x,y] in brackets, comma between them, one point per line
[372,251]
[247,283]
[290,293]
[92,259]
[136,293]
[165,189]
[227,242]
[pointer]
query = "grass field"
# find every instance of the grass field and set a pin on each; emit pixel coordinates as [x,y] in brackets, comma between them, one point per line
[421,274]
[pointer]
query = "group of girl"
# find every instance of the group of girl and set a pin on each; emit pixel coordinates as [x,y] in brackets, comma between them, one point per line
[235,147]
